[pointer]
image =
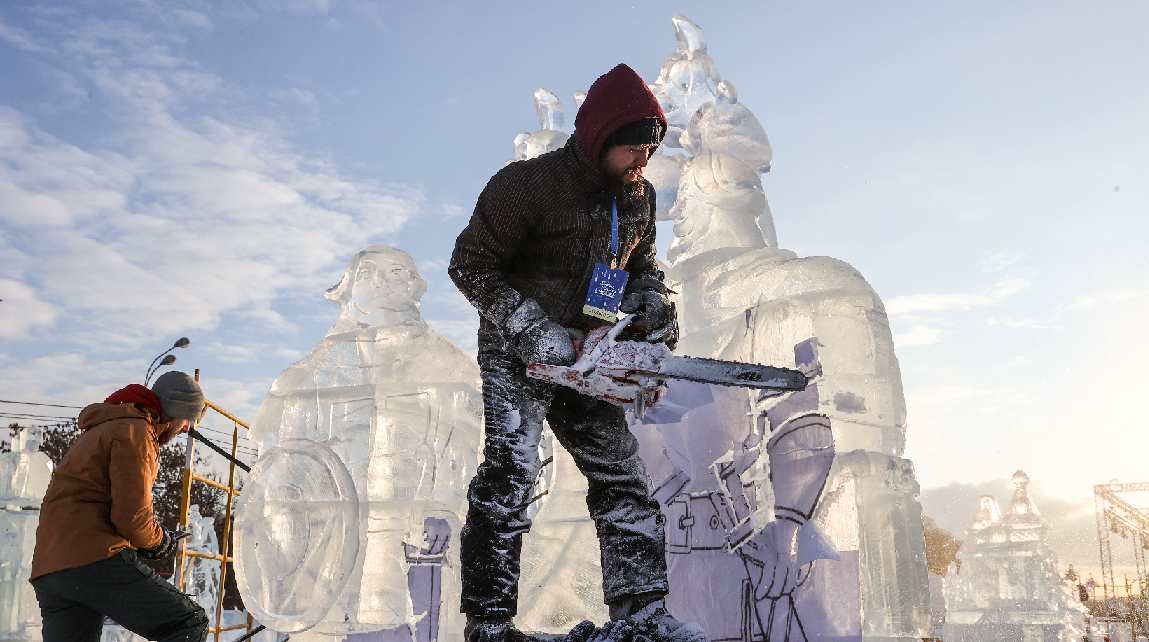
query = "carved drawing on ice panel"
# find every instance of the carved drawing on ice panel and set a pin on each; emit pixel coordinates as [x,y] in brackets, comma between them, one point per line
[348,522]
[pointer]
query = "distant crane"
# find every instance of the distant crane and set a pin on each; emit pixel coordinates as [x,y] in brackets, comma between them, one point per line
[1119,517]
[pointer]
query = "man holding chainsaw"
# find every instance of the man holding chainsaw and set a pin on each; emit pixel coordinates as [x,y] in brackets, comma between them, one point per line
[96,521]
[557,245]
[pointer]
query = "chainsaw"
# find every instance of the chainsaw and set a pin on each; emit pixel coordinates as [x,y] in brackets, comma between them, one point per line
[635,373]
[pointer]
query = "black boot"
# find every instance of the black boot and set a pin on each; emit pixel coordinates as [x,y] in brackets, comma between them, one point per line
[493,629]
[648,616]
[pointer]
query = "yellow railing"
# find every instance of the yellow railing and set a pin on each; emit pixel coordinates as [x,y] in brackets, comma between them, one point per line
[185,507]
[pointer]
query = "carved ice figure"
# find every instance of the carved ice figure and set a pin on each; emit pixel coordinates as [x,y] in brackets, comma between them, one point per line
[202,574]
[24,476]
[743,298]
[348,521]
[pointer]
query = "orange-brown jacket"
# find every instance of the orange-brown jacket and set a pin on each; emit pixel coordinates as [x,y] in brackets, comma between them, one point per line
[100,499]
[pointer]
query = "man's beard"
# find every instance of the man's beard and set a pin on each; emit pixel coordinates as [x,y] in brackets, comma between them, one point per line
[628,186]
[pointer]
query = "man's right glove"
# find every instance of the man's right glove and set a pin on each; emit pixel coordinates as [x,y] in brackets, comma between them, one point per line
[655,314]
[534,338]
[166,547]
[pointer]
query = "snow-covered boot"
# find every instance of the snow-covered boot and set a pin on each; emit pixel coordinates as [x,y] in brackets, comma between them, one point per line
[492,629]
[652,620]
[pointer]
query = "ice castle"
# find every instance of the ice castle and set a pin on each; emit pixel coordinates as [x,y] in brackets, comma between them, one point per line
[1009,588]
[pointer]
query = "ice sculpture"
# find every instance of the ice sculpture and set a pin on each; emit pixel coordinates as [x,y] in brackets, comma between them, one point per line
[348,520]
[24,476]
[25,471]
[743,298]
[688,79]
[552,133]
[202,573]
[1009,587]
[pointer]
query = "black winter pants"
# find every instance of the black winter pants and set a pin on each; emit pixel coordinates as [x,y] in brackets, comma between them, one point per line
[74,601]
[629,523]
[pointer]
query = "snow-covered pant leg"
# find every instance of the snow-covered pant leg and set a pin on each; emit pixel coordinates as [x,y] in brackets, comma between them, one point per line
[630,525]
[491,541]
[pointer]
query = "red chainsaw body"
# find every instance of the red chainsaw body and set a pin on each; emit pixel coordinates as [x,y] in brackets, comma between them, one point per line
[621,373]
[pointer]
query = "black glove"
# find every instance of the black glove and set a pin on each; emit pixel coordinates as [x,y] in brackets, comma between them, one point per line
[656,315]
[166,547]
[534,338]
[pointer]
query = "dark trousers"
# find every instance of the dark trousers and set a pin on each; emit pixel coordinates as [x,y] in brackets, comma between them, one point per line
[629,523]
[74,601]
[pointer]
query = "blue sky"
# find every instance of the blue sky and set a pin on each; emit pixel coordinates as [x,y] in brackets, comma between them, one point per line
[206,169]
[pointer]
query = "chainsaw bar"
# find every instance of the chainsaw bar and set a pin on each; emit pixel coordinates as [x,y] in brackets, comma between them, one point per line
[731,373]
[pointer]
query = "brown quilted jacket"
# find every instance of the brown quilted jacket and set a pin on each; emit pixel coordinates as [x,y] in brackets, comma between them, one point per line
[100,499]
[538,229]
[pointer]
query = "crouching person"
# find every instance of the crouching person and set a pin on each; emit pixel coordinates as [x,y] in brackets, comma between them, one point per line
[96,522]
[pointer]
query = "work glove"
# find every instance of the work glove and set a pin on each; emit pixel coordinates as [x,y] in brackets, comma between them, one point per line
[166,547]
[655,314]
[534,338]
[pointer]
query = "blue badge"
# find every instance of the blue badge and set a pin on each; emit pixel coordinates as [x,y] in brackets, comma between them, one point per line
[605,294]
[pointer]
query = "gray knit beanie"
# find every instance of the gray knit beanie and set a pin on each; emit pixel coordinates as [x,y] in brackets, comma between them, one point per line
[180,395]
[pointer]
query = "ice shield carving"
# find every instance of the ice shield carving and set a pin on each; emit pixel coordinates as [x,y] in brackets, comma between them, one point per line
[349,522]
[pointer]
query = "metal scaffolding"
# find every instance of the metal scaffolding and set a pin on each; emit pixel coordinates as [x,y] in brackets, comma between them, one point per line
[1115,516]
[231,493]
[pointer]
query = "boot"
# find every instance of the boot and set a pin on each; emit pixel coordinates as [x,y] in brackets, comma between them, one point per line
[493,629]
[648,616]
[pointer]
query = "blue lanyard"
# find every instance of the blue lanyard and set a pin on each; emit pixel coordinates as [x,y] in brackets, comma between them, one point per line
[614,231]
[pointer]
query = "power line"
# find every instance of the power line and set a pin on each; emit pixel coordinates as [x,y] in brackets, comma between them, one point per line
[33,403]
[21,415]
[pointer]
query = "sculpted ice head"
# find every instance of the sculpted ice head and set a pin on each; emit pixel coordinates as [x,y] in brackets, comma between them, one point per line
[727,125]
[719,201]
[381,287]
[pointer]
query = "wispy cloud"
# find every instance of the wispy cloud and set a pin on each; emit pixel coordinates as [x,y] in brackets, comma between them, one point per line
[931,301]
[183,213]
[919,334]
[1000,261]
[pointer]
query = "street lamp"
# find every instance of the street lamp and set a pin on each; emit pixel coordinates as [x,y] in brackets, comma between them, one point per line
[168,359]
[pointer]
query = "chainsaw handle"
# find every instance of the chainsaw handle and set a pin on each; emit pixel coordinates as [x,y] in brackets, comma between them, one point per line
[586,363]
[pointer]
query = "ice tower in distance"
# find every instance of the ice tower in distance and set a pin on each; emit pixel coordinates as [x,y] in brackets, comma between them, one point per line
[743,298]
[349,521]
[1009,588]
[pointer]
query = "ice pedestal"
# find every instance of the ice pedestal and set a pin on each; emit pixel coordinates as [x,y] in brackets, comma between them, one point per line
[19,611]
[366,449]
